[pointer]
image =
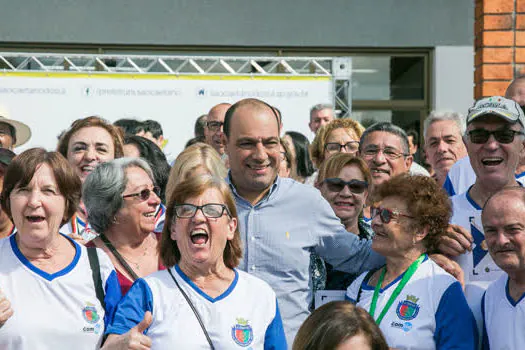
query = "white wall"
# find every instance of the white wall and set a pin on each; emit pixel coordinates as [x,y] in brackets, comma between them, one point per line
[453,77]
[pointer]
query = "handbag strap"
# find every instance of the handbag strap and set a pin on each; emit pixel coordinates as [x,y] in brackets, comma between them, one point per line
[97,279]
[193,309]
[95,272]
[119,257]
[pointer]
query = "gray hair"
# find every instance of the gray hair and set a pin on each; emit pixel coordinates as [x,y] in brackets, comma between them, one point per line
[103,188]
[436,116]
[389,128]
[320,107]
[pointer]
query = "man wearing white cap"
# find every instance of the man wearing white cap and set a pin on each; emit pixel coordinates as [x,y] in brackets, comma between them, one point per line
[495,142]
[12,132]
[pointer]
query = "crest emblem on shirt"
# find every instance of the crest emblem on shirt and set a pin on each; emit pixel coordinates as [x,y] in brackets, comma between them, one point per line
[90,314]
[242,332]
[408,309]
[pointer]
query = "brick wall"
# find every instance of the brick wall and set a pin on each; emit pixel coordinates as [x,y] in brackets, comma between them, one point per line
[499,31]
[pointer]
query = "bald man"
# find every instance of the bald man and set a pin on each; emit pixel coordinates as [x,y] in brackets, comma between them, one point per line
[214,127]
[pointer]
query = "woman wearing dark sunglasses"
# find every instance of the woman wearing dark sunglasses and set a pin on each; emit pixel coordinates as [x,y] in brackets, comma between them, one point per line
[202,301]
[343,181]
[121,201]
[416,304]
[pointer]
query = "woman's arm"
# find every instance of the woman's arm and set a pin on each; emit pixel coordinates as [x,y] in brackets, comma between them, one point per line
[132,319]
[134,339]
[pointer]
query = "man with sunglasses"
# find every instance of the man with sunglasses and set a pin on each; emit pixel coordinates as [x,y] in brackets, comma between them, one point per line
[495,143]
[461,176]
[214,124]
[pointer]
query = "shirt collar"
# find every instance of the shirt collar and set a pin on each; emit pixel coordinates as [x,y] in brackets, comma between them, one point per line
[273,189]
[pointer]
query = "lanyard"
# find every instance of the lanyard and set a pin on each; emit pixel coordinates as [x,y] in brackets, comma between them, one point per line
[406,277]
[75,223]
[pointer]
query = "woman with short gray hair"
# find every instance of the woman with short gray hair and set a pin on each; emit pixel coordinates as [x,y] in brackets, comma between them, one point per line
[121,200]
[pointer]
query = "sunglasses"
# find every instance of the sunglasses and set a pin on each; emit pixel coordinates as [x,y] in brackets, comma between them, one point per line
[481,136]
[386,215]
[337,185]
[144,194]
[210,210]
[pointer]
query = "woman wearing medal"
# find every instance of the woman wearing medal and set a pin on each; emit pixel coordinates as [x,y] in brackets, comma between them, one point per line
[416,304]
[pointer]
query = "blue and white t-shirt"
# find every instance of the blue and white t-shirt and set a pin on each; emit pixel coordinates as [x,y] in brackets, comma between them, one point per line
[503,318]
[430,312]
[246,315]
[479,268]
[461,176]
[55,311]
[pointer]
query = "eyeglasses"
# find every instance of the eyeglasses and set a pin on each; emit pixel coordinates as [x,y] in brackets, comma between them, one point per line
[337,185]
[210,210]
[214,126]
[504,136]
[144,194]
[389,153]
[385,214]
[351,146]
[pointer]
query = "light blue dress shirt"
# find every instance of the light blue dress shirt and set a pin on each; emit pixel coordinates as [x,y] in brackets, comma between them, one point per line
[281,231]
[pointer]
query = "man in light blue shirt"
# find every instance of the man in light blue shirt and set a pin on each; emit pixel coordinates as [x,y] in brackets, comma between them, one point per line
[283,221]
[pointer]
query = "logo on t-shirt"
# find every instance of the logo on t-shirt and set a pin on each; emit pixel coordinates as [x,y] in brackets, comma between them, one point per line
[408,309]
[90,313]
[242,332]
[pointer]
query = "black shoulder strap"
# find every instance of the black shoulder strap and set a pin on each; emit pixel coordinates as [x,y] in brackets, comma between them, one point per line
[119,257]
[193,309]
[95,271]
[367,278]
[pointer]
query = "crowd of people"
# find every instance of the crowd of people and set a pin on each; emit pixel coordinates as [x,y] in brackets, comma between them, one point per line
[227,246]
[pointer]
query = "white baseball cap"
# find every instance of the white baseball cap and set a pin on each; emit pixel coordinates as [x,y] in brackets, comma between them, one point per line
[498,106]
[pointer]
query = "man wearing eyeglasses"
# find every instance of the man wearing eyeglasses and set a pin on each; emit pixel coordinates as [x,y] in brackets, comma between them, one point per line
[384,147]
[214,127]
[281,221]
[495,143]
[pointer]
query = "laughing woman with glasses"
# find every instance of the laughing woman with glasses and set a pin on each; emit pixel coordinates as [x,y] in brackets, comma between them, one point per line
[121,201]
[416,304]
[202,301]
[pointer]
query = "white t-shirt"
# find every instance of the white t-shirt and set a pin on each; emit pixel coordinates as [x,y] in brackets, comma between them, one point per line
[461,176]
[503,319]
[430,312]
[478,266]
[55,311]
[246,315]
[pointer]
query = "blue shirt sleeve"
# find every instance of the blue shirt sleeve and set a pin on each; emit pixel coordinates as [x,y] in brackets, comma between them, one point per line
[455,324]
[344,250]
[449,188]
[274,338]
[131,309]
[485,345]
[112,296]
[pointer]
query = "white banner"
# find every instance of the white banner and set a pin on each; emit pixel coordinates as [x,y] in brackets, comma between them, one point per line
[49,103]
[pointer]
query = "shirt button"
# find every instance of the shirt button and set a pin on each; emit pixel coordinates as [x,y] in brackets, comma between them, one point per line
[253,268]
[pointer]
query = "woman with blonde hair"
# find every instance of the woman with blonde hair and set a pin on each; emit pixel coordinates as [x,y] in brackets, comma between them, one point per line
[340,135]
[199,158]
